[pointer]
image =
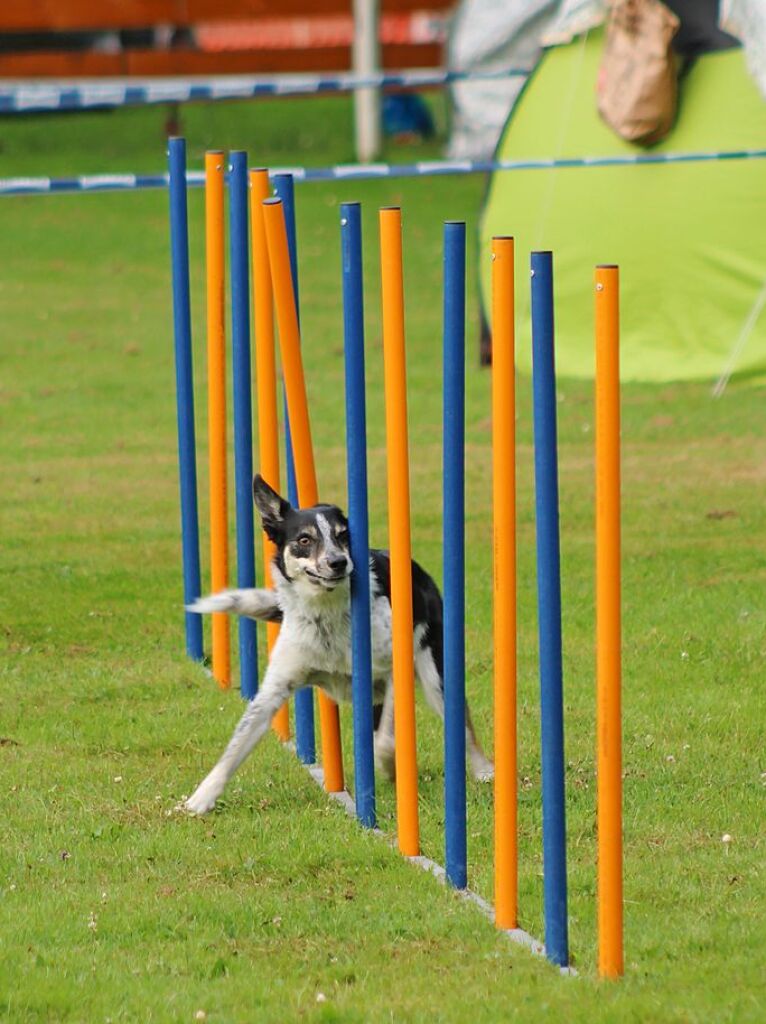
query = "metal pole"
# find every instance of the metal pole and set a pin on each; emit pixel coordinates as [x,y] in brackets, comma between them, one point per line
[549,610]
[243,412]
[504,582]
[454,554]
[397,451]
[305,742]
[292,368]
[266,386]
[216,390]
[356,454]
[365,56]
[608,629]
[179,245]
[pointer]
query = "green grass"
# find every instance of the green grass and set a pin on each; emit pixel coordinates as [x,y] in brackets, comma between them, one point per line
[114,908]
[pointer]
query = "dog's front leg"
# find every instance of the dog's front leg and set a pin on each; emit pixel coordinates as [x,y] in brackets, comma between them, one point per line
[278,683]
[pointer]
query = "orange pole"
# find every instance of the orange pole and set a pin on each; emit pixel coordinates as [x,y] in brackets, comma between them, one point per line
[504,569]
[300,428]
[399,530]
[608,642]
[216,369]
[266,383]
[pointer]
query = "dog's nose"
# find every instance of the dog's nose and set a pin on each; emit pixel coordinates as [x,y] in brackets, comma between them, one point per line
[337,564]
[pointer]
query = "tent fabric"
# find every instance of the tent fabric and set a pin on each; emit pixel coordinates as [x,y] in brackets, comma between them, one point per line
[688,237]
[495,34]
[699,33]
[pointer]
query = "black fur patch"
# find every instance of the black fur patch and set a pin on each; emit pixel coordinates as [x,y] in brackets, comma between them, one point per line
[280,560]
[426,602]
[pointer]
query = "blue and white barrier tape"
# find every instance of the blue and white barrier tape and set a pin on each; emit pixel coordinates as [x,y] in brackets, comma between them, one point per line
[28,97]
[347,172]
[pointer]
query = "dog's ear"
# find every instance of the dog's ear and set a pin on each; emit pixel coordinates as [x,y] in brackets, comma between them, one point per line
[272,507]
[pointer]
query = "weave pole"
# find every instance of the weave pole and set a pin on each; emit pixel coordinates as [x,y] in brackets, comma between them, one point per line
[399,529]
[356,460]
[266,383]
[504,582]
[305,744]
[454,555]
[549,610]
[608,639]
[292,368]
[216,406]
[179,247]
[243,412]
[284,189]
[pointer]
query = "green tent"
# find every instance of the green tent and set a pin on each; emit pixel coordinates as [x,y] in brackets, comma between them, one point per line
[690,238]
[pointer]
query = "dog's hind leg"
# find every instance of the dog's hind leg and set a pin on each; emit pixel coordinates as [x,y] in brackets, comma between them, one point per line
[278,683]
[482,768]
[385,748]
[254,604]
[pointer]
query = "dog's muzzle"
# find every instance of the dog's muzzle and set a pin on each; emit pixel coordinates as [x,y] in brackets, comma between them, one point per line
[329,581]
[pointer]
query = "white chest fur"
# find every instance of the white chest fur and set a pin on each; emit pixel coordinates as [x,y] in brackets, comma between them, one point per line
[317,627]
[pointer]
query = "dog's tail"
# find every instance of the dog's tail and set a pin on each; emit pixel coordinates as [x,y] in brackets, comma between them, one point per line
[255,604]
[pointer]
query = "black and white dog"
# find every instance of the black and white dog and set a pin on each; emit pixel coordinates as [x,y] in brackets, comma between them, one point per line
[310,599]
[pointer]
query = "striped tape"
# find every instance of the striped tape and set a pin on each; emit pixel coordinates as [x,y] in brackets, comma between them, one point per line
[27,97]
[346,172]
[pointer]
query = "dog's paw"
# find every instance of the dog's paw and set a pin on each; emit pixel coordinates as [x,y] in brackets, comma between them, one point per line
[385,759]
[200,803]
[483,771]
[205,795]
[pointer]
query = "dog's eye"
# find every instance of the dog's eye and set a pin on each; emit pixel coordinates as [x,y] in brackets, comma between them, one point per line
[304,540]
[342,536]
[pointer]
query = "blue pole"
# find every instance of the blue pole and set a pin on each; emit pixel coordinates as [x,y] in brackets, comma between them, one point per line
[305,745]
[549,610]
[454,554]
[179,247]
[243,411]
[356,455]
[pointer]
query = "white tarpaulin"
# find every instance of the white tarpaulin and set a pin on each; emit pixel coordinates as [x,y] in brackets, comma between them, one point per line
[746,19]
[491,35]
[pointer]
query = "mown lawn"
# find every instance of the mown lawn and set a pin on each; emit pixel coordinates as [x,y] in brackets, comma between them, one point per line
[278,907]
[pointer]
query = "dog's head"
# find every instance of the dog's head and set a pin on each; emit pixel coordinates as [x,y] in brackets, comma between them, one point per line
[311,543]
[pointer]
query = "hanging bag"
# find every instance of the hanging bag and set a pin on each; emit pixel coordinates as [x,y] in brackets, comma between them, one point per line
[637,81]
